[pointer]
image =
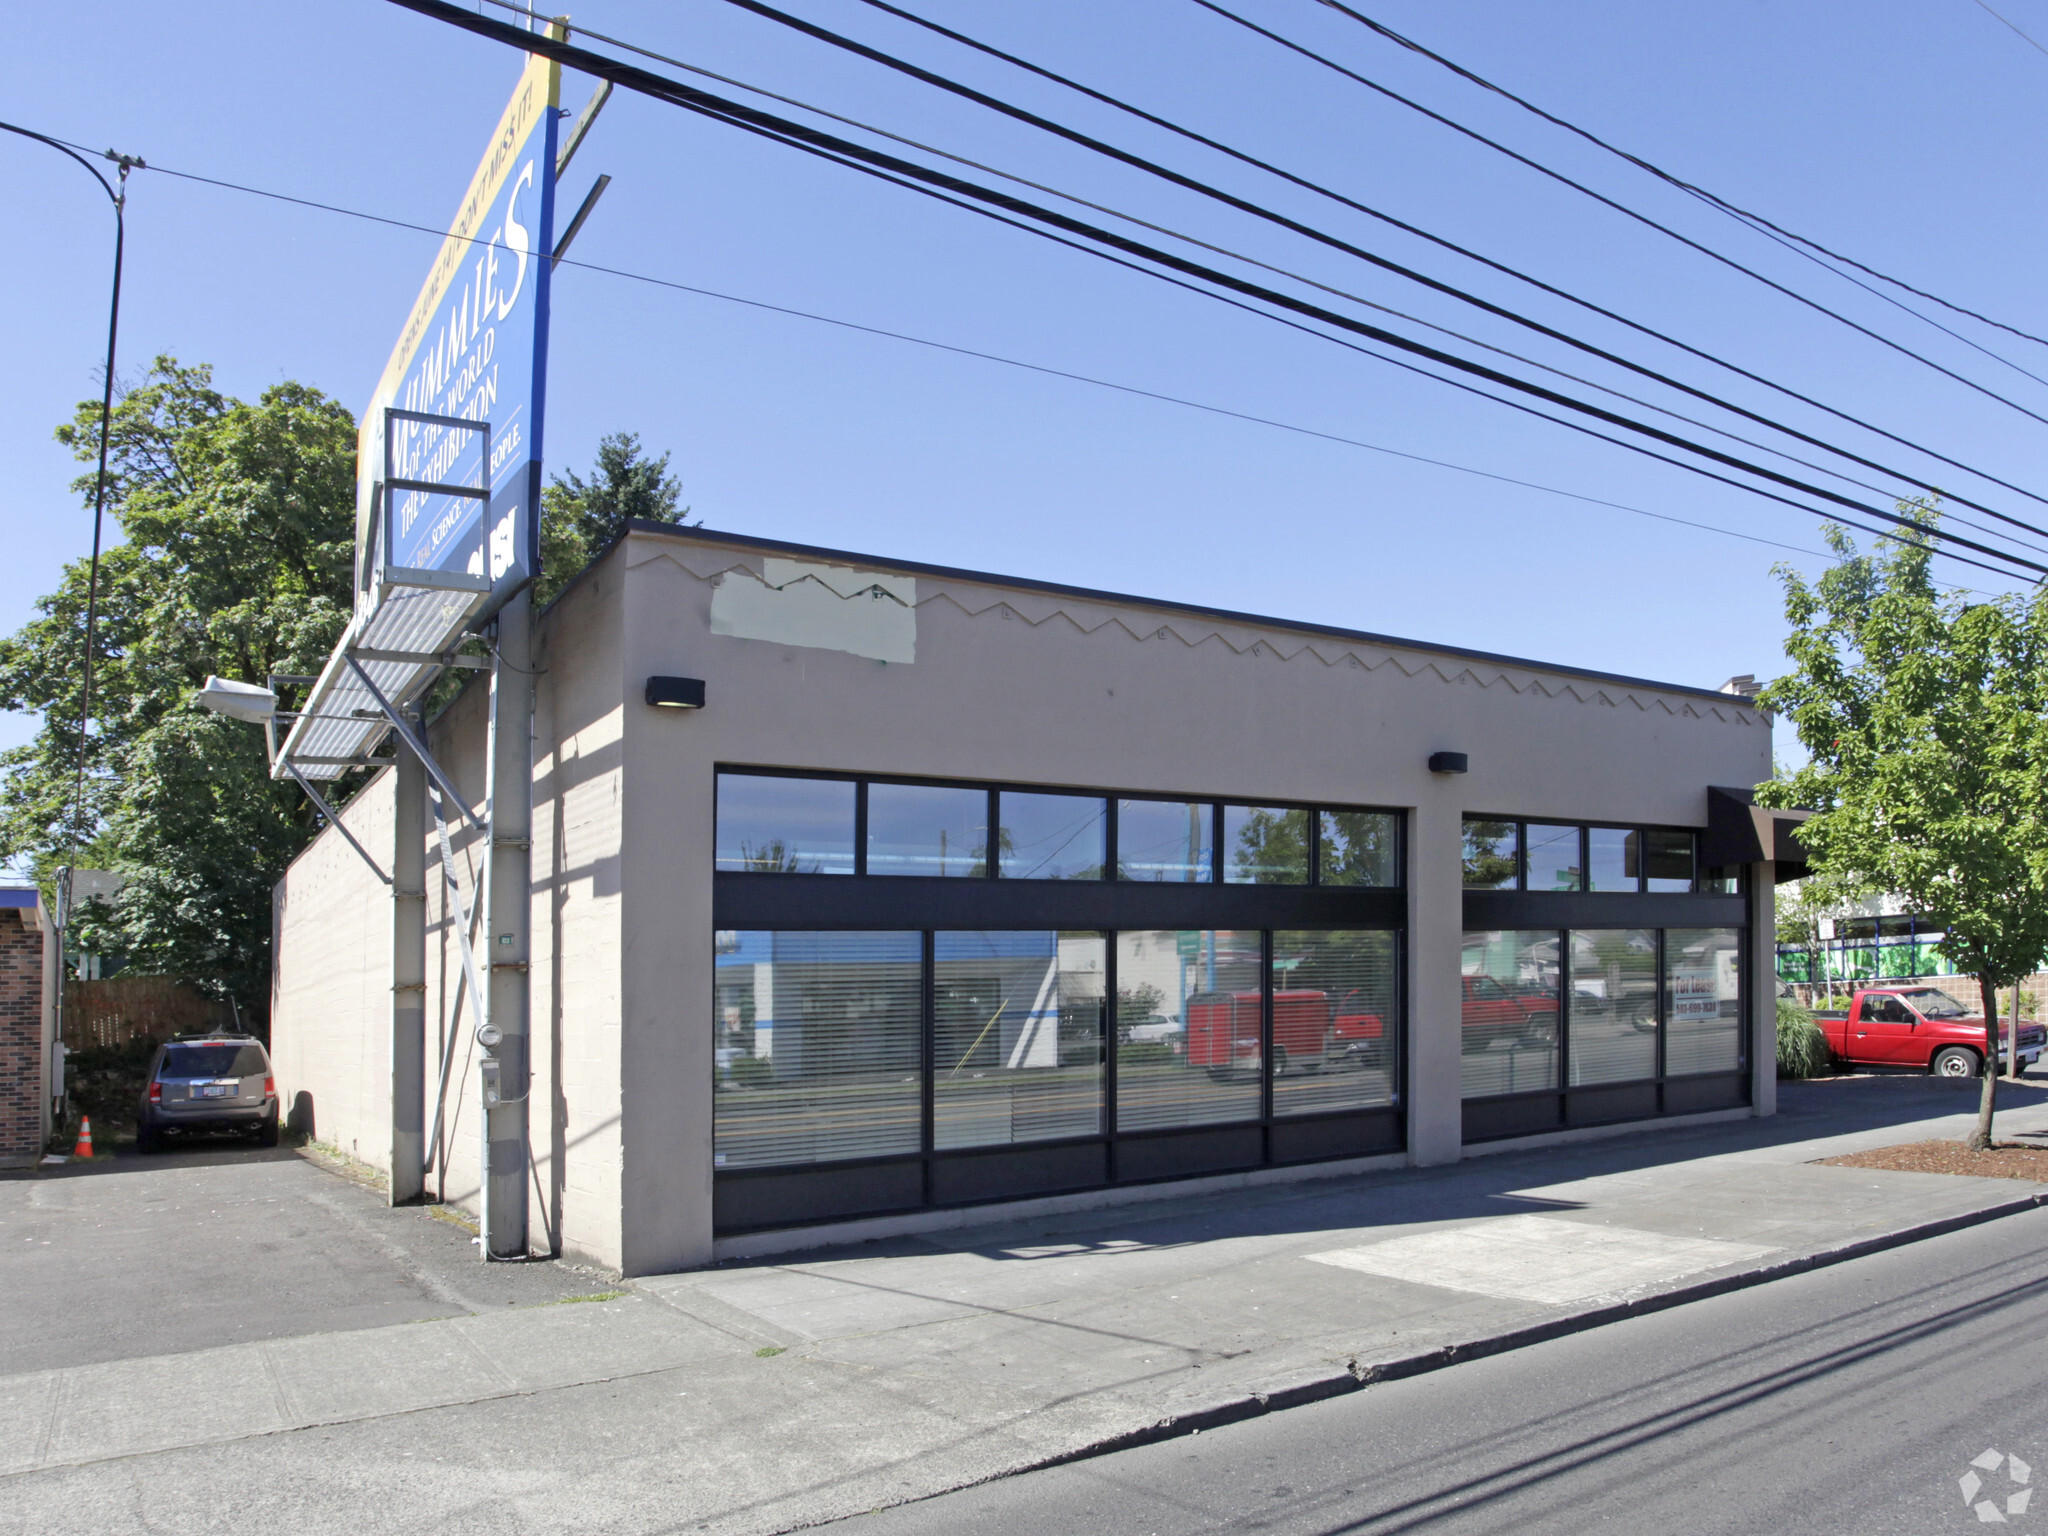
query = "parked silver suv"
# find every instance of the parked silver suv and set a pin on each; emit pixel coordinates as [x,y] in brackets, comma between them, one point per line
[218,1082]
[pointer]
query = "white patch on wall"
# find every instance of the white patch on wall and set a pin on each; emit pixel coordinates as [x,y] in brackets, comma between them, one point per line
[827,607]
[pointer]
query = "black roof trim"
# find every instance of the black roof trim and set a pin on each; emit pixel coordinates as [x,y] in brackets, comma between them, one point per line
[848,557]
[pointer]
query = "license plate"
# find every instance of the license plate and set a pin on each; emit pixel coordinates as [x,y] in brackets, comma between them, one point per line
[215,1090]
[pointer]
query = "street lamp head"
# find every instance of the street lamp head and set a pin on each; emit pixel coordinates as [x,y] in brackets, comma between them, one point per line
[244,701]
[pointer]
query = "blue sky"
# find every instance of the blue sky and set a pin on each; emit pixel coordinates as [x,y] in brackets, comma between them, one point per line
[1906,135]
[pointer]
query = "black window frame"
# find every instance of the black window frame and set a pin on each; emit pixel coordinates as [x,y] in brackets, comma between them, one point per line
[1521,824]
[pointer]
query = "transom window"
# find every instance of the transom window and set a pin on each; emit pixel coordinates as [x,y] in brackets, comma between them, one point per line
[817,824]
[1512,854]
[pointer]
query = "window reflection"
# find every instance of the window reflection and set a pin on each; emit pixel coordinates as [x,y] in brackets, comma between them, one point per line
[1613,1005]
[771,824]
[1335,1011]
[1667,861]
[1509,1015]
[1702,1000]
[1051,837]
[1187,1028]
[1165,840]
[1491,859]
[922,829]
[1018,1020]
[1610,859]
[1265,845]
[1554,863]
[1358,848]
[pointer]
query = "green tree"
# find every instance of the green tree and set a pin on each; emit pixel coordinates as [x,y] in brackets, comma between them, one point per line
[1924,719]
[580,518]
[238,539]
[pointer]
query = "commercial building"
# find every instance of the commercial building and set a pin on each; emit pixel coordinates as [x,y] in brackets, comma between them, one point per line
[869,892]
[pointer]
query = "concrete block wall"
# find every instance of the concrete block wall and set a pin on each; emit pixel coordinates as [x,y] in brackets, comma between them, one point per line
[330,1012]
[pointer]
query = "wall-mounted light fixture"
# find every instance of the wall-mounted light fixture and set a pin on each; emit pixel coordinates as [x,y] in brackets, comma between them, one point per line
[676,692]
[1446,762]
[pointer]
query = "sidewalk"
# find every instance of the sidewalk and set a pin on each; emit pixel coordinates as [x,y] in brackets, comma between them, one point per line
[765,1395]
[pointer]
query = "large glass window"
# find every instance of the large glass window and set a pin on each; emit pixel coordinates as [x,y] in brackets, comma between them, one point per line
[1611,859]
[1188,1027]
[1265,845]
[1164,840]
[1492,858]
[1510,1011]
[1702,1000]
[1667,861]
[1554,861]
[819,1047]
[773,824]
[923,829]
[1018,1021]
[1613,1005]
[1358,848]
[1052,837]
[1336,1004]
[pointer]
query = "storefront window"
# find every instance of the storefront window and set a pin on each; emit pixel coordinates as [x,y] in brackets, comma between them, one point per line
[1051,837]
[1667,861]
[1336,1005]
[1265,845]
[773,824]
[1702,1000]
[1510,1011]
[1358,848]
[1164,840]
[1018,1021]
[1611,856]
[1613,1017]
[923,829]
[1492,860]
[1188,1028]
[819,1047]
[1554,861]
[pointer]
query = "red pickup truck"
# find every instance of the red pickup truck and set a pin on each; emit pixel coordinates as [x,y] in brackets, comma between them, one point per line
[1910,1026]
[1495,1011]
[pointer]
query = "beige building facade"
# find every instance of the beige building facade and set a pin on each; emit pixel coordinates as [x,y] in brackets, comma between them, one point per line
[959,891]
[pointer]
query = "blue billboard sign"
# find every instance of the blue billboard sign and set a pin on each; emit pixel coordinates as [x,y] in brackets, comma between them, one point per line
[449,452]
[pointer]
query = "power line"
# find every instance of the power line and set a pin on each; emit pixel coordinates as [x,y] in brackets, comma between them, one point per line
[1621,208]
[1754,220]
[1039,368]
[1007,209]
[2011,23]
[969,93]
[897,138]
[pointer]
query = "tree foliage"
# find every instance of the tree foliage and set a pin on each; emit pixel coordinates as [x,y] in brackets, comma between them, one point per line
[237,527]
[579,519]
[1924,719]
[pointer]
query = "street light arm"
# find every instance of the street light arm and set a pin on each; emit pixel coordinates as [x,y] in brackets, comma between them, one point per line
[124,161]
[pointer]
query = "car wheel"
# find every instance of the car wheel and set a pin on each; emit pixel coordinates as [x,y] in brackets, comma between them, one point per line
[267,1135]
[1955,1061]
[145,1138]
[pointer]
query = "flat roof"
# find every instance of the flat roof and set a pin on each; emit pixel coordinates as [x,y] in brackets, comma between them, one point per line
[918,567]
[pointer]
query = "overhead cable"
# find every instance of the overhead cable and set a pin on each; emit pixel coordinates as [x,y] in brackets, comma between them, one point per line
[1139,162]
[1621,208]
[1813,248]
[1072,232]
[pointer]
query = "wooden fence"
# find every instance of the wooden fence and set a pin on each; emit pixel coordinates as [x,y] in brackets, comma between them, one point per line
[118,1009]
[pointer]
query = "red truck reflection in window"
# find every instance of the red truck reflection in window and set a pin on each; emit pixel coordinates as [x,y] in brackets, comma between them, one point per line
[1310,1032]
[1497,1011]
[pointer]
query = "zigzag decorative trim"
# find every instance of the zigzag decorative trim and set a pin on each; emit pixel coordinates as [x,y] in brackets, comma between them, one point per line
[1192,630]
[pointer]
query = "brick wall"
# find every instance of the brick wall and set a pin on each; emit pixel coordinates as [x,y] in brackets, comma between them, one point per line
[21,1033]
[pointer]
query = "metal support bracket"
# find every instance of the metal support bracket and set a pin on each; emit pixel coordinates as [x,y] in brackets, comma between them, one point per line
[335,821]
[412,739]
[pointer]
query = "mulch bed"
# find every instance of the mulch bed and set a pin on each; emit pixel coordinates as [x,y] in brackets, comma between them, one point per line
[2005,1160]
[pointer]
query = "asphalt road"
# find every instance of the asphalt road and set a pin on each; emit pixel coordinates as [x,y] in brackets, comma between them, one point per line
[1850,1399]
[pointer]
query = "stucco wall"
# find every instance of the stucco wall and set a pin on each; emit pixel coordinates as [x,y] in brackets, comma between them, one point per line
[863,667]
[330,1014]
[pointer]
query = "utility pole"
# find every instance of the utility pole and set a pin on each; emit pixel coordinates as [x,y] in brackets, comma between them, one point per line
[508,913]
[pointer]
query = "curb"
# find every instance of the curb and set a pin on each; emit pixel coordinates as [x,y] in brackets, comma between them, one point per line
[1355,1377]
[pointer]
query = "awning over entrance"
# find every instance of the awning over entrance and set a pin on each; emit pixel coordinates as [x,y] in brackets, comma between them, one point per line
[1739,831]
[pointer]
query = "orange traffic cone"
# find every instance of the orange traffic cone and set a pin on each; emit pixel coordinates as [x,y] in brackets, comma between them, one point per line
[84,1147]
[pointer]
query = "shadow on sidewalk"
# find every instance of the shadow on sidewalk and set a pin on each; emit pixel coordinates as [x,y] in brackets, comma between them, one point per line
[1495,1185]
